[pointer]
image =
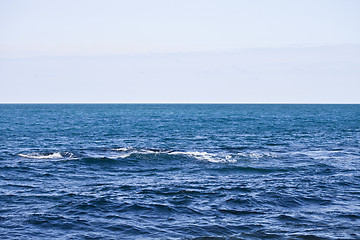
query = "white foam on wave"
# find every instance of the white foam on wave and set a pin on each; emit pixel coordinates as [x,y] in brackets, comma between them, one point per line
[122,149]
[205,156]
[125,152]
[124,155]
[255,155]
[128,151]
[42,155]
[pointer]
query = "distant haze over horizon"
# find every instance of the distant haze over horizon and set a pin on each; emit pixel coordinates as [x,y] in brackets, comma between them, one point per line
[180,51]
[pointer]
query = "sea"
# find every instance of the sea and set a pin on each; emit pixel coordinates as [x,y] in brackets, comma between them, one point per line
[179,171]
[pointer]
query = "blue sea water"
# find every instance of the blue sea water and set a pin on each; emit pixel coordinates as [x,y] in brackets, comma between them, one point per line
[179,171]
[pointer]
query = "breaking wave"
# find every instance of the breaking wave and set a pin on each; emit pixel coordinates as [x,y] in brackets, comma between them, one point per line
[49,155]
[199,155]
[210,157]
[127,152]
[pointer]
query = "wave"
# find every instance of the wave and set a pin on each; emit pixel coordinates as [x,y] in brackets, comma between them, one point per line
[141,150]
[205,156]
[127,152]
[48,155]
[202,156]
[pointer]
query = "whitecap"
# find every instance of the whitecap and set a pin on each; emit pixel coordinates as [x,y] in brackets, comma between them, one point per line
[122,149]
[140,150]
[53,155]
[124,155]
[256,155]
[205,156]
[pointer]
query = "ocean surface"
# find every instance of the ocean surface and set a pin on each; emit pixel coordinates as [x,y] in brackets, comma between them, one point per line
[179,171]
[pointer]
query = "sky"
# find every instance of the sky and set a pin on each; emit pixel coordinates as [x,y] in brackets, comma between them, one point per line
[180,51]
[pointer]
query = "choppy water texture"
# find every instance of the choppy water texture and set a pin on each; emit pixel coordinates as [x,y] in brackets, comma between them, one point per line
[179,171]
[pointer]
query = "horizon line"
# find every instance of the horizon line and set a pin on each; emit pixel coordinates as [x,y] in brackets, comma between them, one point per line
[180,103]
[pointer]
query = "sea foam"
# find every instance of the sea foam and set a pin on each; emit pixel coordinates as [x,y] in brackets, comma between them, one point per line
[52,155]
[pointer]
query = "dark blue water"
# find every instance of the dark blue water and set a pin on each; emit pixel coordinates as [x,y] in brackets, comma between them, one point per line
[179,171]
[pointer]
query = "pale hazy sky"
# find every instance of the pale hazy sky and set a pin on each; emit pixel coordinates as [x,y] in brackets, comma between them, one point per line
[47,47]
